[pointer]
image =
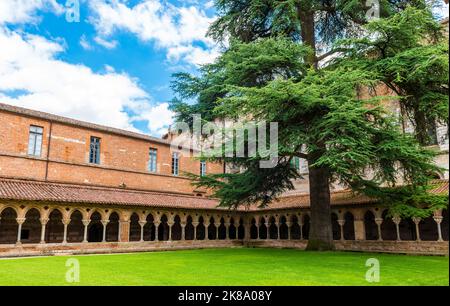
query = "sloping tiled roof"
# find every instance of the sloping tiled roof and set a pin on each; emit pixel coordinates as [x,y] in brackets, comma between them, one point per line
[344,197]
[27,190]
[12,189]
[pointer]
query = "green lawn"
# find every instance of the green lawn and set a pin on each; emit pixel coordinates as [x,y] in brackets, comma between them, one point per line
[238,266]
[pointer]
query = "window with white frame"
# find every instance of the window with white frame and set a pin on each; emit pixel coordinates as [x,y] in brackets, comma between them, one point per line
[153,155]
[35,141]
[175,163]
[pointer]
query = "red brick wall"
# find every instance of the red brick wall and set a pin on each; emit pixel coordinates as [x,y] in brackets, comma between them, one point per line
[123,159]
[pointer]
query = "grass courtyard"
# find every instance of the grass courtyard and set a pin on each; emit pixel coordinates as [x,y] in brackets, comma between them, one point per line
[238,267]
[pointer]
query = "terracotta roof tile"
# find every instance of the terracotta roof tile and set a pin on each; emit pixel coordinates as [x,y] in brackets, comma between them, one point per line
[14,189]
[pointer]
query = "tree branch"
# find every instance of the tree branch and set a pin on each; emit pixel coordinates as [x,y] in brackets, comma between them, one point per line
[325,55]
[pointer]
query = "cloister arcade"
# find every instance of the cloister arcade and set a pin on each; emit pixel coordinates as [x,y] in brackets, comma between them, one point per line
[28,224]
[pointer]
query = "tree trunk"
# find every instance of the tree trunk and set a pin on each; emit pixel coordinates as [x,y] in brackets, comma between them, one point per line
[307,25]
[320,234]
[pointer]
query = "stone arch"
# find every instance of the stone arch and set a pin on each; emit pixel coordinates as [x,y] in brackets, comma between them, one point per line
[370,226]
[273,228]
[31,228]
[75,229]
[306,226]
[284,230]
[189,229]
[149,228]
[163,228]
[201,229]
[232,234]
[388,229]
[135,227]
[295,228]
[8,225]
[349,226]
[407,230]
[253,229]
[95,228]
[335,226]
[112,228]
[176,228]
[211,229]
[222,229]
[262,228]
[428,229]
[241,230]
[55,227]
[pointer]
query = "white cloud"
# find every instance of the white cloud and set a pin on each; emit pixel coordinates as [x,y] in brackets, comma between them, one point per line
[179,30]
[23,11]
[108,44]
[29,66]
[85,43]
[158,117]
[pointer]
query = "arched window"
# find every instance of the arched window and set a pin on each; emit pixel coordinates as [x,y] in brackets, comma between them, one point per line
[295,228]
[95,229]
[349,226]
[112,228]
[306,226]
[388,229]
[241,230]
[222,229]
[75,229]
[284,230]
[201,229]
[370,226]
[163,229]
[262,229]
[335,227]
[55,228]
[8,226]
[176,228]
[150,229]
[232,230]
[189,229]
[135,228]
[253,230]
[211,229]
[31,229]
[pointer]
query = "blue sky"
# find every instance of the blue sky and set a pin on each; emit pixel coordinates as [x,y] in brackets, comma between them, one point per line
[121,50]
[113,67]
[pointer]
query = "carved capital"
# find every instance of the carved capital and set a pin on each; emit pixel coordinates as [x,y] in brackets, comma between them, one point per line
[105,222]
[379,221]
[416,220]
[44,221]
[86,222]
[142,223]
[397,220]
[20,220]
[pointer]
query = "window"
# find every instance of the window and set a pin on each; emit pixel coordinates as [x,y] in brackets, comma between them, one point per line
[94,153]
[175,164]
[152,161]
[35,141]
[202,168]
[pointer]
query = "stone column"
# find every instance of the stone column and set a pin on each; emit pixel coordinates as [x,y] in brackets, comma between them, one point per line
[217,230]
[183,231]
[289,225]
[20,222]
[397,221]
[257,231]
[341,226]
[277,224]
[156,230]
[379,221]
[195,224]
[438,220]
[267,229]
[104,223]
[44,222]
[170,224]
[300,223]
[227,230]
[66,223]
[142,224]
[416,221]
[86,224]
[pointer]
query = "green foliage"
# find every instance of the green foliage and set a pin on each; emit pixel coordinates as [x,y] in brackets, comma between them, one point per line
[410,56]
[266,75]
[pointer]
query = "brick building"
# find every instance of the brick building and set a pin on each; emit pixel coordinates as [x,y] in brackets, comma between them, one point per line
[68,186]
